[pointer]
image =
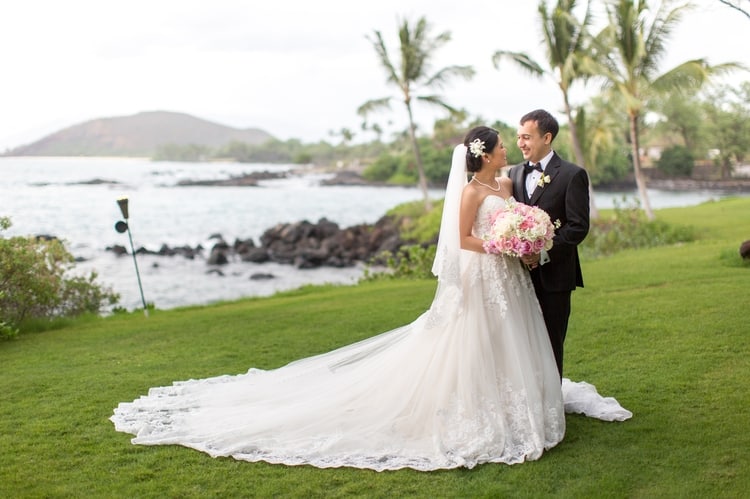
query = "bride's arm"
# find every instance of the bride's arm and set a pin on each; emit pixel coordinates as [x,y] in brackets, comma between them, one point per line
[470,200]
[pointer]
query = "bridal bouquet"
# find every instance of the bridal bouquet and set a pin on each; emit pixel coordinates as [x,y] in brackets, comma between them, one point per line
[519,229]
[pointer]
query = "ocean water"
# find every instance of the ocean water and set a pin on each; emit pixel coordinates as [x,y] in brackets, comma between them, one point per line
[75,199]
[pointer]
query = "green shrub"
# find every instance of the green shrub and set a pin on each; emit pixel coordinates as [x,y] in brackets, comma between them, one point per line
[34,282]
[415,224]
[410,262]
[7,332]
[176,152]
[612,166]
[676,160]
[404,178]
[628,228]
[731,258]
[383,168]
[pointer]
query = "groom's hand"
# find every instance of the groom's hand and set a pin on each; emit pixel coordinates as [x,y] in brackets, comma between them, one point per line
[531,261]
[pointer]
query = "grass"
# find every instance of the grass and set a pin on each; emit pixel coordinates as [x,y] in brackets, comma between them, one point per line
[664,330]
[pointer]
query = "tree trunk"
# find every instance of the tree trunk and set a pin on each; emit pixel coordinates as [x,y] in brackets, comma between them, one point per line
[640,180]
[418,158]
[578,151]
[726,167]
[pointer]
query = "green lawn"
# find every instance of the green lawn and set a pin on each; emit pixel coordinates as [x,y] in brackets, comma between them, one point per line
[664,330]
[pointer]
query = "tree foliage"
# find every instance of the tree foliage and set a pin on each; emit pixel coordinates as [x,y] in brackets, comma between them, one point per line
[36,282]
[728,117]
[683,121]
[676,160]
[176,152]
[629,53]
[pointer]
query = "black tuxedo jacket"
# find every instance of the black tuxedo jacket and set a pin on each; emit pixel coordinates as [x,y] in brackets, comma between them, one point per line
[564,198]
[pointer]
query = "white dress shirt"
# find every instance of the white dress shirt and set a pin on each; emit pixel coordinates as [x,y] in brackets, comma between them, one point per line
[533,178]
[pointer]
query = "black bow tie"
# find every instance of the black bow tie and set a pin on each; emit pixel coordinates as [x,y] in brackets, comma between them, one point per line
[528,167]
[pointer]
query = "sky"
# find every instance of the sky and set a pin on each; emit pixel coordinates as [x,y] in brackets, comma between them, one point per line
[297,69]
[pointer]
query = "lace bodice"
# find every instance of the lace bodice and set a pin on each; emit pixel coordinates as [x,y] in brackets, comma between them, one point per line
[489,205]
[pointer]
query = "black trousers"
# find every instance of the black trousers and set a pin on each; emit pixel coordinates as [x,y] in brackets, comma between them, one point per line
[556,312]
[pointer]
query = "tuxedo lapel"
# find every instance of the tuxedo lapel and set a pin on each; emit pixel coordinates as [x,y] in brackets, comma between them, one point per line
[551,171]
[519,186]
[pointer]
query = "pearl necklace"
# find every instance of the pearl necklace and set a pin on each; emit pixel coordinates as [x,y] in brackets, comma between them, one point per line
[497,189]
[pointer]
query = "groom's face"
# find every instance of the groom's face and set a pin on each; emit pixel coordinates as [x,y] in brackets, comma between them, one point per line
[532,143]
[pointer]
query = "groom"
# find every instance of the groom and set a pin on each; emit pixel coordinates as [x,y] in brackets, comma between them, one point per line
[561,189]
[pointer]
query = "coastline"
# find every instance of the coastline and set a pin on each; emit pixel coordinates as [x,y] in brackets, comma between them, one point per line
[729,186]
[58,197]
[740,183]
[733,185]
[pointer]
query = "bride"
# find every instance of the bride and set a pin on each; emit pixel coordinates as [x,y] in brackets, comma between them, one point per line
[472,380]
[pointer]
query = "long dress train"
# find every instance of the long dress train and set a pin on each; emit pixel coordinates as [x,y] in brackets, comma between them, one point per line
[472,380]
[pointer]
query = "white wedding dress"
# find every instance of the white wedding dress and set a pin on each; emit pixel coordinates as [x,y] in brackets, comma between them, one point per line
[472,380]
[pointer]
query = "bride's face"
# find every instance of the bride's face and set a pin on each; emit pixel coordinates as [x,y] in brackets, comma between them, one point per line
[498,156]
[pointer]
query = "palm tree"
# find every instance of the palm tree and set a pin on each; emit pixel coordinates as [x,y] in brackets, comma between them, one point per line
[565,39]
[346,134]
[417,48]
[632,46]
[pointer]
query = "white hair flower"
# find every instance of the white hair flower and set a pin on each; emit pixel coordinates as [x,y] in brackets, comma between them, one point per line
[476,147]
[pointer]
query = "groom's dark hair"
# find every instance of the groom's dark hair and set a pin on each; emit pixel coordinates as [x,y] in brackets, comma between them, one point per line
[544,121]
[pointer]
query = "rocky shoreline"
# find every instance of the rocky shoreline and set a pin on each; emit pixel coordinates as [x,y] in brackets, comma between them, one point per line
[245,180]
[303,244]
[731,186]
[734,185]
[307,245]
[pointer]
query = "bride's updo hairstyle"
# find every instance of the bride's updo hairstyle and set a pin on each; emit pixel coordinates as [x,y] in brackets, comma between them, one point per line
[479,140]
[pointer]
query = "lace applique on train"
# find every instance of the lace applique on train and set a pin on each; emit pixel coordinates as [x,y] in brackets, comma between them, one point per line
[473,380]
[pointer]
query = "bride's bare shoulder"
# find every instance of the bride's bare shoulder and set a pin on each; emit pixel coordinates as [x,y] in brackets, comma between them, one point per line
[506,185]
[471,190]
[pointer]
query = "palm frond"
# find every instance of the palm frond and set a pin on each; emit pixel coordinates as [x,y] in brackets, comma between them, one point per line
[523,60]
[374,105]
[692,75]
[436,100]
[736,6]
[658,32]
[385,61]
[440,79]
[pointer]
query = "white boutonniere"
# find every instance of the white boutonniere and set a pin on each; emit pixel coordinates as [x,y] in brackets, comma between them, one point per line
[544,179]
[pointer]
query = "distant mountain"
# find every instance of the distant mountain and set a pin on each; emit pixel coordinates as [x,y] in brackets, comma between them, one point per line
[138,135]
